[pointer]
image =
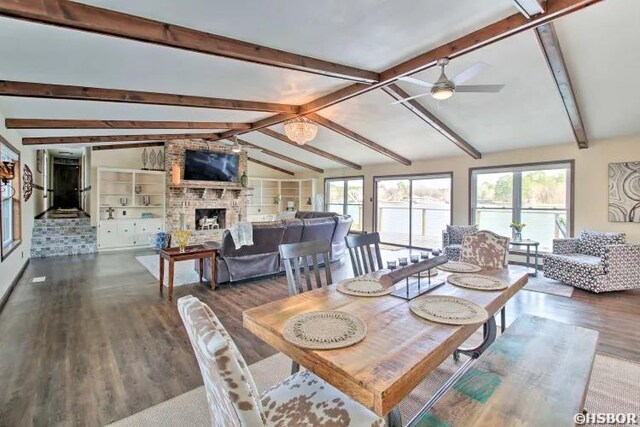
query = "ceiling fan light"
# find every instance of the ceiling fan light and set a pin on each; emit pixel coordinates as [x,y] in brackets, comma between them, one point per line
[442,93]
[300,130]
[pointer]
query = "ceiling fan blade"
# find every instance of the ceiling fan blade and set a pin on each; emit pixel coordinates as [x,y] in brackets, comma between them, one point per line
[416,81]
[470,73]
[410,98]
[479,88]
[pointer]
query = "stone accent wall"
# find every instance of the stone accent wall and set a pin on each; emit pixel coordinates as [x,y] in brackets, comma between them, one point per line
[187,200]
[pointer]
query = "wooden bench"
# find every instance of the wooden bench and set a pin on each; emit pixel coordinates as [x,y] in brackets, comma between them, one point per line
[536,374]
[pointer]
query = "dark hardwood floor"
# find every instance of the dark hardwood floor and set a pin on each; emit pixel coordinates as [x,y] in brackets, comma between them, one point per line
[95,342]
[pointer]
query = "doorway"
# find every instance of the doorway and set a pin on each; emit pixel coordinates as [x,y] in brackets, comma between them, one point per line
[66,183]
[412,210]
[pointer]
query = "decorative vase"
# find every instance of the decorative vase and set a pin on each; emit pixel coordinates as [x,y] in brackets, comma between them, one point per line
[244,179]
[517,236]
[138,189]
[182,237]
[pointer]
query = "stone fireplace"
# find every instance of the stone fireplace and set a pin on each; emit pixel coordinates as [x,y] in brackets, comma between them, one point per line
[194,200]
[210,219]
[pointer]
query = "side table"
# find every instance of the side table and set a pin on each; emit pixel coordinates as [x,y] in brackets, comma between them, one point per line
[529,243]
[199,252]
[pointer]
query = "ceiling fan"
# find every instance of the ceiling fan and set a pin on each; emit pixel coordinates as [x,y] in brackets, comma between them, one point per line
[444,88]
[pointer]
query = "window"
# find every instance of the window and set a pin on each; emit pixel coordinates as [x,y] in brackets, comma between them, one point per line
[538,195]
[10,204]
[413,211]
[345,196]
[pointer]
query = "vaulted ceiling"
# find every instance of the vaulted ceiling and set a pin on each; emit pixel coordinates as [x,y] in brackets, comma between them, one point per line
[599,44]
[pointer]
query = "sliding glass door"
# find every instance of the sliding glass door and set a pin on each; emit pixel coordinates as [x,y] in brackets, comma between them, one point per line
[413,211]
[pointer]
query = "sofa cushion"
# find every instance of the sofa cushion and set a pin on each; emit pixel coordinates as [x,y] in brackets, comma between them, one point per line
[318,229]
[594,242]
[458,232]
[578,270]
[293,233]
[266,238]
[314,214]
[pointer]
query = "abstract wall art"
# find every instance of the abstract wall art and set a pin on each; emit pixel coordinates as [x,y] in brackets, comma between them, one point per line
[624,192]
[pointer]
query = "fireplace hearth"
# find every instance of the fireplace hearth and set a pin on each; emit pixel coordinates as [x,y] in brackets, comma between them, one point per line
[210,219]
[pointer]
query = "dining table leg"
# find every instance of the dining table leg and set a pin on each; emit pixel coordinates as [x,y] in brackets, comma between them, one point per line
[489,336]
[393,418]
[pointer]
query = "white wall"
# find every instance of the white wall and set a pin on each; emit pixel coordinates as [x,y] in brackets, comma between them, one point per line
[591,178]
[10,267]
[255,170]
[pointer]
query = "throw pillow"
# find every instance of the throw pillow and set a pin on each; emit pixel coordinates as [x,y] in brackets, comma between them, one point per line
[458,232]
[594,243]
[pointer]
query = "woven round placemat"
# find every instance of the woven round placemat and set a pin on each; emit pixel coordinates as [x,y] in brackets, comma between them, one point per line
[448,310]
[363,287]
[477,281]
[459,267]
[324,330]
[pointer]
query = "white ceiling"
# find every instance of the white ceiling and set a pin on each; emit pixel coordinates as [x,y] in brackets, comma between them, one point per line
[600,45]
[370,34]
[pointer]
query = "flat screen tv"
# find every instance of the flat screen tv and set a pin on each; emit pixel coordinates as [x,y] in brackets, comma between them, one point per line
[210,166]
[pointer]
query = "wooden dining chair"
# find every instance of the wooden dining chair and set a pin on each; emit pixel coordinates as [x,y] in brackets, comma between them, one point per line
[233,399]
[302,259]
[304,256]
[361,249]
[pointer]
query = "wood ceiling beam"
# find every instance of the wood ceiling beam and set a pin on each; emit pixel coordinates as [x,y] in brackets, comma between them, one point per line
[122,146]
[530,8]
[78,16]
[419,110]
[310,149]
[80,93]
[54,140]
[268,165]
[492,33]
[358,138]
[118,124]
[280,156]
[550,45]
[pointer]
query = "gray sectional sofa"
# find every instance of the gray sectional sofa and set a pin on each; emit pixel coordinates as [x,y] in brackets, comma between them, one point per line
[263,257]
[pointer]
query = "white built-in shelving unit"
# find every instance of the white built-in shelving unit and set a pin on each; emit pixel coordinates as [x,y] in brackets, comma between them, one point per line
[124,191]
[272,196]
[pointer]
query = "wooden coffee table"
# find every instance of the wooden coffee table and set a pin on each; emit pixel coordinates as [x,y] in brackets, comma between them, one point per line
[199,252]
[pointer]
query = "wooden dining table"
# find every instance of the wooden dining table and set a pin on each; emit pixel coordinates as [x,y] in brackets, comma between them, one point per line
[400,349]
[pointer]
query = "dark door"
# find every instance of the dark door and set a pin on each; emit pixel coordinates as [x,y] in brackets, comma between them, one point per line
[65,186]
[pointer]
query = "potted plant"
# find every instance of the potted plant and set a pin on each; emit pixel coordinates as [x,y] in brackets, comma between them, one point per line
[517,227]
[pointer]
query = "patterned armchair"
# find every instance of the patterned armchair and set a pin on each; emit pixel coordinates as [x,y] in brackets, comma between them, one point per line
[452,239]
[597,262]
[232,396]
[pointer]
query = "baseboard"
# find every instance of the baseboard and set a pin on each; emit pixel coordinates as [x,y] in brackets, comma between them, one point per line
[7,294]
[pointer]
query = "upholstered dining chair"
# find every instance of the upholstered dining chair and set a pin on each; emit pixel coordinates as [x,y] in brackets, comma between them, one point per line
[233,397]
[362,248]
[489,250]
[304,256]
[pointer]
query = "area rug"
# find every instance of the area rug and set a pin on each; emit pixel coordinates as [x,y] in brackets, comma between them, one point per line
[183,274]
[614,387]
[548,286]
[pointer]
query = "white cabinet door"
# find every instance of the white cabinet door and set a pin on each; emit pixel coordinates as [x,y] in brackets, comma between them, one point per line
[108,234]
[145,228]
[126,233]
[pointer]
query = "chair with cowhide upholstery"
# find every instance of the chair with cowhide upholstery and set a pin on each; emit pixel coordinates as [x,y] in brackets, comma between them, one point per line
[232,396]
[488,250]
